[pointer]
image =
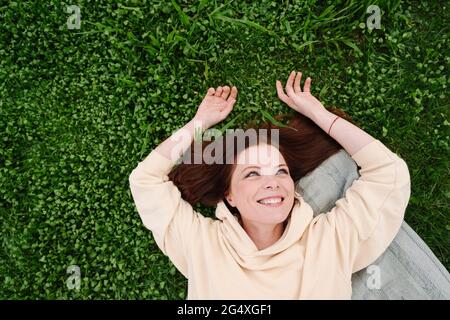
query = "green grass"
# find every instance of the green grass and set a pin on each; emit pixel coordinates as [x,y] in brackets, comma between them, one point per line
[80,108]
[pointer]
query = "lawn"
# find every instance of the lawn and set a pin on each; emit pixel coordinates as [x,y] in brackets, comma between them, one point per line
[80,107]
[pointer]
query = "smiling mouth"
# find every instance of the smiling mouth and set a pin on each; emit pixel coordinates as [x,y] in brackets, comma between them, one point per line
[272,202]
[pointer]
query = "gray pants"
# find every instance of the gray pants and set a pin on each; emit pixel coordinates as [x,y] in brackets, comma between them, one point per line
[408,269]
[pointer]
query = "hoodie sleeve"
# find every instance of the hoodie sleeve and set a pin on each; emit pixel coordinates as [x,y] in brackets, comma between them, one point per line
[163,211]
[367,219]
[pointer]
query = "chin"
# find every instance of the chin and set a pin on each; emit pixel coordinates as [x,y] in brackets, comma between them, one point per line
[277,217]
[284,217]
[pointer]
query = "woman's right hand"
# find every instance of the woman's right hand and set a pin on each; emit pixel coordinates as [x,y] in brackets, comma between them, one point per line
[301,101]
[216,105]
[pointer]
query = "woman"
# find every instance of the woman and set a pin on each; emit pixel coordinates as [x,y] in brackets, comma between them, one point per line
[259,247]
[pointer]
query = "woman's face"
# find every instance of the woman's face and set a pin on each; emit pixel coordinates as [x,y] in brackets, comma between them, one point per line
[261,172]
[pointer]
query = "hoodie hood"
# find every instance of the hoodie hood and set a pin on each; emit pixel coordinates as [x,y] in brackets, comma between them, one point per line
[244,250]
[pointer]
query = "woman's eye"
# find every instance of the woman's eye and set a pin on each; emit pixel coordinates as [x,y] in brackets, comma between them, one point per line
[250,173]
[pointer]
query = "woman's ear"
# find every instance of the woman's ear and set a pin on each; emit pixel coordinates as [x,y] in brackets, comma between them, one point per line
[230,200]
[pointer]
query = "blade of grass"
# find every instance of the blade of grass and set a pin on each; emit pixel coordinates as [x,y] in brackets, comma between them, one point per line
[304,44]
[229,123]
[201,5]
[272,119]
[351,45]
[121,6]
[217,9]
[244,22]
[183,16]
[323,91]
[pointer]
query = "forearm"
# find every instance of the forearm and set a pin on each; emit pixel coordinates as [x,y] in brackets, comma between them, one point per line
[349,136]
[176,145]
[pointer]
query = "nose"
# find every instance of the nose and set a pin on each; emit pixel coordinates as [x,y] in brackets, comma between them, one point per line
[271,183]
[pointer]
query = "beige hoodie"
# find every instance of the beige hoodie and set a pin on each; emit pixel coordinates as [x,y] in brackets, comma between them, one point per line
[314,258]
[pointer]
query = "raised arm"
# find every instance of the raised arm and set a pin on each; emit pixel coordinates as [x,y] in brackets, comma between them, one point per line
[349,136]
[214,108]
[366,220]
[163,211]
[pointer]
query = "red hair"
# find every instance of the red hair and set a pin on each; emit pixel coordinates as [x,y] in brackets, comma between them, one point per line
[303,145]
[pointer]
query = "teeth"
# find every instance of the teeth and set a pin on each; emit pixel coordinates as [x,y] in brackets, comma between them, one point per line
[276,200]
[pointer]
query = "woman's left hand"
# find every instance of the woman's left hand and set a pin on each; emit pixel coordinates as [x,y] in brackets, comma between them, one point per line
[300,100]
[216,105]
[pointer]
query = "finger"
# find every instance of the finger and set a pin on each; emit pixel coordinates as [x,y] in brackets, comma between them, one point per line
[298,79]
[218,91]
[283,97]
[233,93]
[289,83]
[307,86]
[280,91]
[225,92]
[229,107]
[210,91]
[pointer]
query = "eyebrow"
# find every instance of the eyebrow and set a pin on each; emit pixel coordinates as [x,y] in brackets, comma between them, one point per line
[257,167]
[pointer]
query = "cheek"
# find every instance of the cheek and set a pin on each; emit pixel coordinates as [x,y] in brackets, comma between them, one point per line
[289,183]
[247,190]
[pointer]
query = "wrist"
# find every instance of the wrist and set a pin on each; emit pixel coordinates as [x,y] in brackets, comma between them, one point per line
[325,120]
[319,113]
[199,124]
